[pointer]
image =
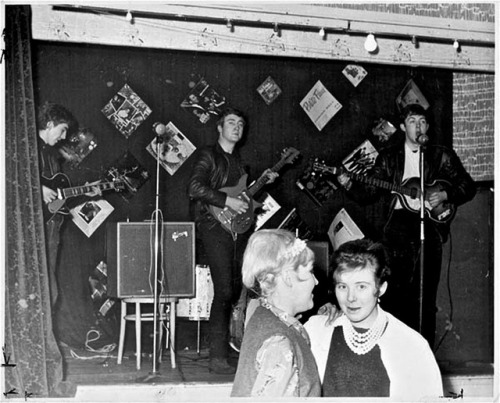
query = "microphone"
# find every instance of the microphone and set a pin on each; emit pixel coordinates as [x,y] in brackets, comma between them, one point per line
[422,139]
[160,129]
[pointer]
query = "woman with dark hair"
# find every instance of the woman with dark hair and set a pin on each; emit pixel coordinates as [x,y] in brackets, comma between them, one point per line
[367,352]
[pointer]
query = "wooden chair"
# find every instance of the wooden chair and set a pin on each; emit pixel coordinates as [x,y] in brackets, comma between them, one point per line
[166,314]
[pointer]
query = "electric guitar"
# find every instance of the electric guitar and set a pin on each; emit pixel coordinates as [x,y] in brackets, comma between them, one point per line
[240,223]
[408,193]
[61,184]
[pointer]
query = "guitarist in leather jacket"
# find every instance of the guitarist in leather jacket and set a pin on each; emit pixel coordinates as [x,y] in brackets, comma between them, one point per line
[395,164]
[54,122]
[215,167]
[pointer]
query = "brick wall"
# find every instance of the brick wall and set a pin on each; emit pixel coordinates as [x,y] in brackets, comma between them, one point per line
[473,128]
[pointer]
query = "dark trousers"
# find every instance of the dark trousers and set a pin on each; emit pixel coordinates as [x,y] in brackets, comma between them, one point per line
[224,255]
[402,299]
[53,239]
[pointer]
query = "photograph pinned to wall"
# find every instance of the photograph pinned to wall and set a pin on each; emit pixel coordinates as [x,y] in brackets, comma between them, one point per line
[411,94]
[173,150]
[203,101]
[354,73]
[89,215]
[78,146]
[269,90]
[343,229]
[126,110]
[268,209]
[320,105]
[383,130]
[129,170]
[362,159]
[316,184]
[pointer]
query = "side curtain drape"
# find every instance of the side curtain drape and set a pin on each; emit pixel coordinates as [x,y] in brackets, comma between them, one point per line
[29,337]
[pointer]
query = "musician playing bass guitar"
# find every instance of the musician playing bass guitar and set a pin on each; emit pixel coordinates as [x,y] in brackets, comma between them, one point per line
[53,123]
[396,165]
[215,167]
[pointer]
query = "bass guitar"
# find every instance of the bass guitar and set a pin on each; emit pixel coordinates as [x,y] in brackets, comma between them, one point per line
[240,223]
[61,184]
[408,192]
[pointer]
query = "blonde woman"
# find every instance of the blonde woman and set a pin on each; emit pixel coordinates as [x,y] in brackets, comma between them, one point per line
[275,358]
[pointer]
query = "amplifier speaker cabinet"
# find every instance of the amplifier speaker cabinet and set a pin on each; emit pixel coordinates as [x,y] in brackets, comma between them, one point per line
[130,255]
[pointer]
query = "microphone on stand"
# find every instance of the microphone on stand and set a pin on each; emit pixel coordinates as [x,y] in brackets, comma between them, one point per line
[160,129]
[422,139]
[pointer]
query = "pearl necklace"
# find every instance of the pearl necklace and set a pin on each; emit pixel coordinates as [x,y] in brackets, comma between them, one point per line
[362,343]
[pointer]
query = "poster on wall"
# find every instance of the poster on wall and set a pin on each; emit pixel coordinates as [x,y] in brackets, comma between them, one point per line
[411,94]
[320,105]
[361,159]
[315,183]
[269,208]
[343,229]
[269,90]
[128,170]
[78,146]
[173,150]
[203,101]
[89,215]
[126,110]
[354,73]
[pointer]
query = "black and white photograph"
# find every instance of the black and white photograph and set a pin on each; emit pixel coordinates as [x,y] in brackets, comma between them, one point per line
[268,200]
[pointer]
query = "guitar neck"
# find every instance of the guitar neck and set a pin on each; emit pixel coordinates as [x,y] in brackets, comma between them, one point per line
[259,183]
[80,190]
[381,184]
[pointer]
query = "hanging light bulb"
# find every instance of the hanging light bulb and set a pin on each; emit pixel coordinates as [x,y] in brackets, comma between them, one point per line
[129,16]
[230,26]
[370,43]
[322,33]
[456,45]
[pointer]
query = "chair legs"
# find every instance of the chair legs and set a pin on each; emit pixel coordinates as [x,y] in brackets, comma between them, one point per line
[123,323]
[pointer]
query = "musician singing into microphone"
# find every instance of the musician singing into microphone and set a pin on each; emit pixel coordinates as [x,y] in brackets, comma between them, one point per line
[447,185]
[219,166]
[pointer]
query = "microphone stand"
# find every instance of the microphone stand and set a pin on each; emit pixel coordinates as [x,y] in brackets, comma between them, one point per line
[422,236]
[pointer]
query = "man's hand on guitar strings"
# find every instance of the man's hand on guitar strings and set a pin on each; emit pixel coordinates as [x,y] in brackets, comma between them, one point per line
[436,198]
[49,195]
[270,175]
[96,191]
[237,204]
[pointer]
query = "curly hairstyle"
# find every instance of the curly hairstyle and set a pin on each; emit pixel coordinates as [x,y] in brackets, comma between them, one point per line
[268,253]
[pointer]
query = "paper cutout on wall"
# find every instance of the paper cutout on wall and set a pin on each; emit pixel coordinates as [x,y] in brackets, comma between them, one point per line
[362,159]
[320,105]
[128,169]
[269,208]
[343,229]
[411,94]
[354,73]
[89,215]
[383,130]
[126,110]
[203,101]
[269,90]
[174,149]
[316,184]
[78,146]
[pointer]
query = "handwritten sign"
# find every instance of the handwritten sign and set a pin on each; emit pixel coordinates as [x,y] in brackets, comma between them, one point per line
[320,105]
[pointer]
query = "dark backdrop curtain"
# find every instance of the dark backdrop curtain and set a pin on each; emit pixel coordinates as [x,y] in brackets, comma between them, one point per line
[29,337]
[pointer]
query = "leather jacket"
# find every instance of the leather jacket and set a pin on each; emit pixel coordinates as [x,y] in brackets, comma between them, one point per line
[210,173]
[440,163]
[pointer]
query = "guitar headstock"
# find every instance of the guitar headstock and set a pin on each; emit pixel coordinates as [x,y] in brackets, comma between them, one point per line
[289,155]
[323,168]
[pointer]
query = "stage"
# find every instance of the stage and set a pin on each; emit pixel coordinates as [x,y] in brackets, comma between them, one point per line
[101,379]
